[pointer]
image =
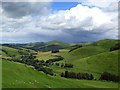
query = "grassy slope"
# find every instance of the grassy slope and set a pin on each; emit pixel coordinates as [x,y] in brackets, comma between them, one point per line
[94,58]
[107,43]
[99,63]
[17,75]
[83,52]
[55,42]
[10,51]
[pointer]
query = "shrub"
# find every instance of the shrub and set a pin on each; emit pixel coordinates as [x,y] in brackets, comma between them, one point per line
[68,65]
[77,75]
[109,77]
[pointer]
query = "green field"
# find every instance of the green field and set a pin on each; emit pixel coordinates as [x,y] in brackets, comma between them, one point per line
[49,55]
[17,75]
[99,63]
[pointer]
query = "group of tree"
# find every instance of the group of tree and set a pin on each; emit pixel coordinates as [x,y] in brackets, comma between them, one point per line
[68,65]
[74,47]
[116,47]
[37,64]
[64,65]
[109,77]
[44,69]
[55,51]
[4,51]
[58,58]
[79,75]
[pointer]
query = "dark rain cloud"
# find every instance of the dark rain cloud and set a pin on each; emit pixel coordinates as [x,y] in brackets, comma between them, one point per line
[20,9]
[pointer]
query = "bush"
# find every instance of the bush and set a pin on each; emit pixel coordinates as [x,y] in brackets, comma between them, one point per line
[55,51]
[62,65]
[57,64]
[74,47]
[109,77]
[77,75]
[116,47]
[68,65]
[62,75]
[59,58]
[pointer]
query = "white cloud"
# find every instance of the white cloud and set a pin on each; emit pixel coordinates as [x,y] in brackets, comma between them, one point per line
[80,23]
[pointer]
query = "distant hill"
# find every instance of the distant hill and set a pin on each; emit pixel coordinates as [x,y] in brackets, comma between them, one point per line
[106,43]
[41,46]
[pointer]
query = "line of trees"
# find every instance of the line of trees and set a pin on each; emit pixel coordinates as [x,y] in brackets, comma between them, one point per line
[116,47]
[109,77]
[75,47]
[79,75]
[59,58]
[55,51]
[29,59]
[68,65]
[38,65]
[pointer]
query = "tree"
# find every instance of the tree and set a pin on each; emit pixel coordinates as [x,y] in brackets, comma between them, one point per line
[116,47]
[62,75]
[66,74]
[57,64]
[62,65]
[55,51]
[91,77]
[109,77]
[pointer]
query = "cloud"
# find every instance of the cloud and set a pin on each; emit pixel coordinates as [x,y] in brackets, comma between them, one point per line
[20,9]
[80,23]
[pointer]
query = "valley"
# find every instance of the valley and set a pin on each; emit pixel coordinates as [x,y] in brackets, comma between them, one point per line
[57,64]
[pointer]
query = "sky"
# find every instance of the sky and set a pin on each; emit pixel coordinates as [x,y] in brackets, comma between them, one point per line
[83,21]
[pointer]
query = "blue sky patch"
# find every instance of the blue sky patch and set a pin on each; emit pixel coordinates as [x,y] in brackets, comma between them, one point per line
[63,5]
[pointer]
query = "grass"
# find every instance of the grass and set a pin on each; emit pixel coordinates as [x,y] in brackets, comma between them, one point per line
[97,64]
[49,55]
[10,51]
[17,75]
[106,43]
[83,52]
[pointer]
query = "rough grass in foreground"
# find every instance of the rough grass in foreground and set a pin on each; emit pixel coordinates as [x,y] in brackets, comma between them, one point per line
[17,75]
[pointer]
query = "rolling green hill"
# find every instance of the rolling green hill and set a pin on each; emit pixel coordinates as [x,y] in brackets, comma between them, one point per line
[106,43]
[94,58]
[10,52]
[16,75]
[47,46]
[96,64]
[83,52]
[62,44]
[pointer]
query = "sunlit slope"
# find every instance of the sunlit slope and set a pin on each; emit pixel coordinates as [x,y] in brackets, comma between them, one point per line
[17,75]
[83,52]
[96,64]
[9,52]
[106,43]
